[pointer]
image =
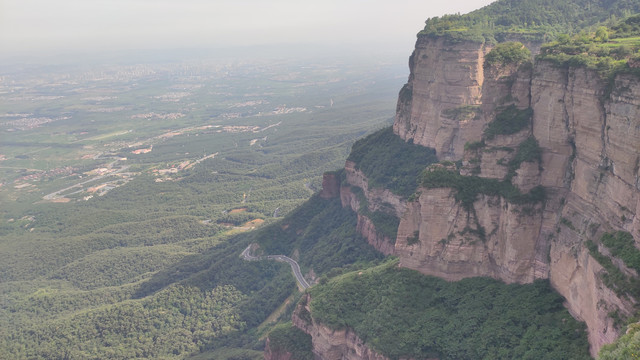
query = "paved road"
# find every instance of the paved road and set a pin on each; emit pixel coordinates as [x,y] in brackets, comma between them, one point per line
[246,254]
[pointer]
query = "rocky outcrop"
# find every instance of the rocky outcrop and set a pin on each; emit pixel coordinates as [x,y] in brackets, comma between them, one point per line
[375,238]
[329,344]
[377,199]
[439,237]
[330,185]
[270,354]
[443,77]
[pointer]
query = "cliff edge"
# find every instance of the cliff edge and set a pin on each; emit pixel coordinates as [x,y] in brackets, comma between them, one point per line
[552,152]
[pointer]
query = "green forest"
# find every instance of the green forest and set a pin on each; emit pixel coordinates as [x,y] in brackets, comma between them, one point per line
[402,313]
[534,20]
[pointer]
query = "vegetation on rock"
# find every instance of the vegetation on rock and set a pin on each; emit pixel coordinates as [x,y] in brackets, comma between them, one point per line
[607,55]
[286,338]
[389,162]
[402,313]
[528,151]
[509,120]
[622,245]
[626,347]
[469,187]
[613,277]
[507,53]
[385,223]
[460,113]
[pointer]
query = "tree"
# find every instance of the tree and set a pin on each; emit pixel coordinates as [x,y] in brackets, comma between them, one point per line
[602,34]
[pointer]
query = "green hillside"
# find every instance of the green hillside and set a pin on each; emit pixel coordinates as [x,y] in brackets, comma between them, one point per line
[536,20]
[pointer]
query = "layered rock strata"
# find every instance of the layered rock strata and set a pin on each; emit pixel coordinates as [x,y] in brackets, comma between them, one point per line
[377,199]
[443,76]
[588,138]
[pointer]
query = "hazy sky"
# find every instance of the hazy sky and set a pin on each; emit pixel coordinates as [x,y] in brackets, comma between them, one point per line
[46,25]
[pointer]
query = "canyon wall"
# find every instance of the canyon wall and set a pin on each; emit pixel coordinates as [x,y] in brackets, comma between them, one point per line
[590,138]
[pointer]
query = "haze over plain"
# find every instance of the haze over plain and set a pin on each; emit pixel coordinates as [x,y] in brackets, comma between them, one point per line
[39,28]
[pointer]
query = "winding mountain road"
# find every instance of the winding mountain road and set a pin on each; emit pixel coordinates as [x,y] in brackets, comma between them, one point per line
[246,255]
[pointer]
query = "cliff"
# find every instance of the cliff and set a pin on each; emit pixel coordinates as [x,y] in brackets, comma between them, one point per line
[270,354]
[579,143]
[331,344]
[443,76]
[590,155]
[370,201]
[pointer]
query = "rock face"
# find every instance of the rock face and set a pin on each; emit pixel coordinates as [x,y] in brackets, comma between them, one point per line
[439,237]
[269,354]
[331,344]
[588,136]
[590,144]
[443,77]
[330,186]
[377,199]
[589,140]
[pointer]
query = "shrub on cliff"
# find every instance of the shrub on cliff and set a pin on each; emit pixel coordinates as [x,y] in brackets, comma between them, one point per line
[507,53]
[389,162]
[622,245]
[508,121]
[528,151]
[469,187]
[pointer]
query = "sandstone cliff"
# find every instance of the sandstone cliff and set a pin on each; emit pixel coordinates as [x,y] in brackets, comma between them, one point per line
[376,199]
[590,155]
[331,344]
[270,354]
[443,77]
[587,137]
